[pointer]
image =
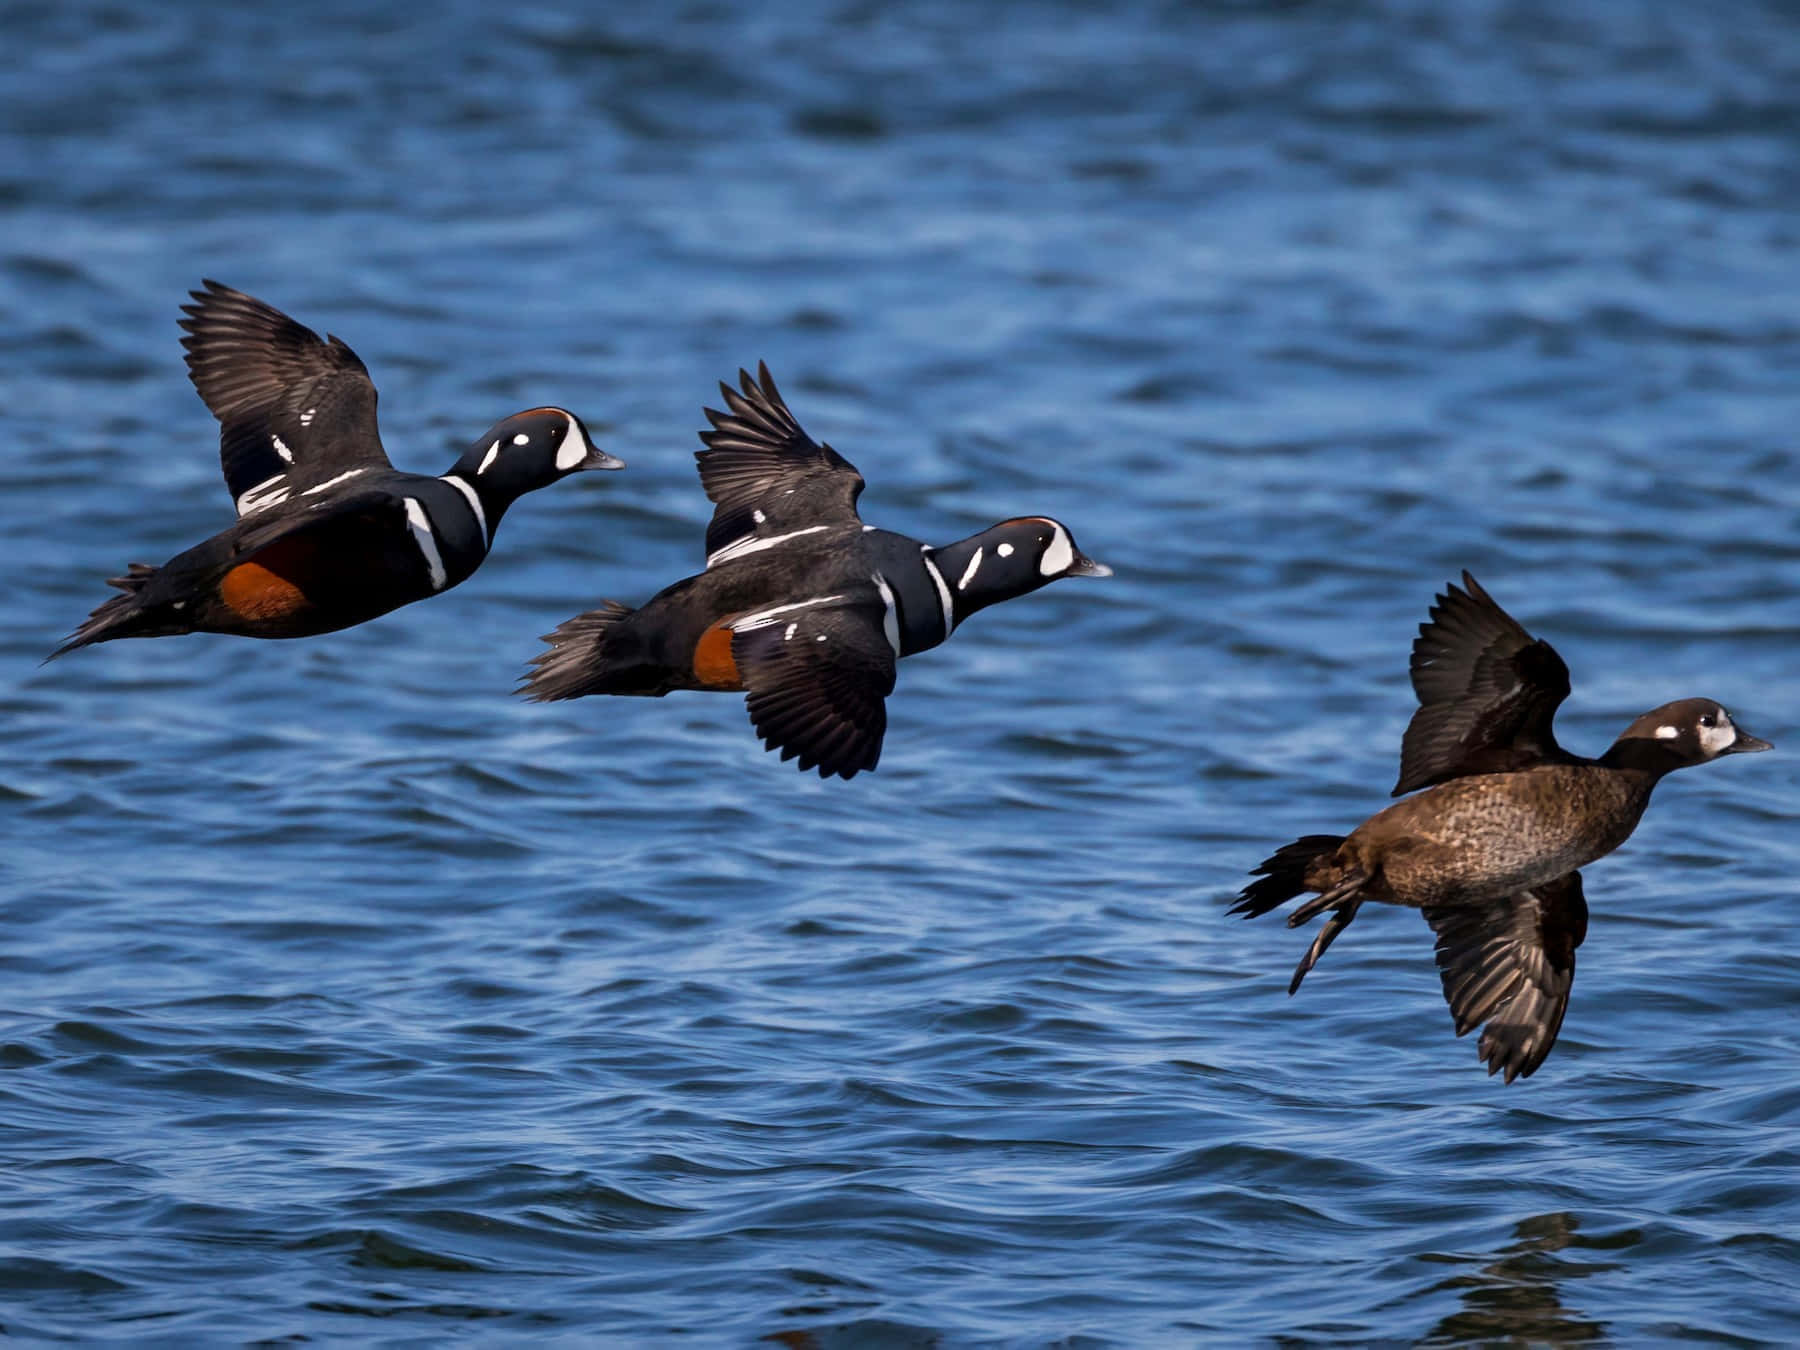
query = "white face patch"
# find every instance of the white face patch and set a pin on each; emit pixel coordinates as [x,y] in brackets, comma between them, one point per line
[1667,733]
[1059,555]
[281,449]
[520,439]
[492,454]
[420,525]
[962,582]
[572,451]
[1717,739]
[1005,550]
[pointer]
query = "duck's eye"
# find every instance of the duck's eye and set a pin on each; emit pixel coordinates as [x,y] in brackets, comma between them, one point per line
[1708,720]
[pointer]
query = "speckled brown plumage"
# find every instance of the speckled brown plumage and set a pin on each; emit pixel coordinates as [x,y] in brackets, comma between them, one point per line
[1475,838]
[1490,851]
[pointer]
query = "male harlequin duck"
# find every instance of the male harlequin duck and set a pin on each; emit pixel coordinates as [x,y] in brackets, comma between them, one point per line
[328,534]
[801,605]
[1489,850]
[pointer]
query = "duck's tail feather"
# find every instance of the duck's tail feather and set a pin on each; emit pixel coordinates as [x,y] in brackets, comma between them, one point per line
[122,616]
[583,659]
[1283,874]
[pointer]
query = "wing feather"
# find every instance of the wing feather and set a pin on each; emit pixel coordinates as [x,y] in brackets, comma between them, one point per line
[766,477]
[1510,963]
[818,679]
[1488,692]
[293,410]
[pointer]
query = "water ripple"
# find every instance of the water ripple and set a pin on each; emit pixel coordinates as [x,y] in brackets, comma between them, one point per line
[349,997]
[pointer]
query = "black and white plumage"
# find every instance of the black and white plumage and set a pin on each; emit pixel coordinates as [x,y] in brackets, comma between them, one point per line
[1489,849]
[801,606]
[329,534]
[293,411]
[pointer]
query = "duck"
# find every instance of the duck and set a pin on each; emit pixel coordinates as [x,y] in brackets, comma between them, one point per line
[801,607]
[1500,820]
[328,532]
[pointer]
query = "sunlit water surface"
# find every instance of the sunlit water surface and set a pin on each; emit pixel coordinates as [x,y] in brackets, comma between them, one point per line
[348,997]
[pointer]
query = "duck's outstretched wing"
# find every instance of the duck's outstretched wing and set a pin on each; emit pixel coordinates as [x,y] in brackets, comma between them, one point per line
[818,677]
[1488,692]
[1509,963]
[767,478]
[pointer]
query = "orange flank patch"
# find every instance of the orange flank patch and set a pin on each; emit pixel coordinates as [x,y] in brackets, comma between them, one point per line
[252,591]
[713,664]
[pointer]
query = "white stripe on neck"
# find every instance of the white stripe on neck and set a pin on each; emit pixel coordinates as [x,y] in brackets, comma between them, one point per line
[943,589]
[890,614]
[420,525]
[467,489]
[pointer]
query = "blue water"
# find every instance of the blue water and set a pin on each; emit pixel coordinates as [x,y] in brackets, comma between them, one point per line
[345,997]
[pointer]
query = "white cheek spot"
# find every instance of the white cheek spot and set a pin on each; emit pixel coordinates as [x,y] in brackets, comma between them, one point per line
[520,439]
[1005,550]
[819,638]
[573,450]
[179,604]
[492,454]
[282,450]
[420,525]
[1716,740]
[1667,733]
[1059,556]
[962,582]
